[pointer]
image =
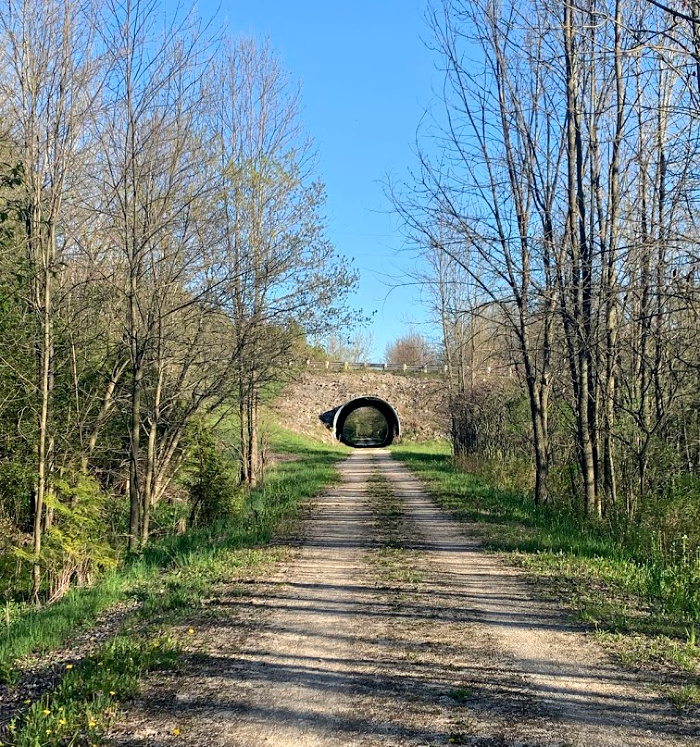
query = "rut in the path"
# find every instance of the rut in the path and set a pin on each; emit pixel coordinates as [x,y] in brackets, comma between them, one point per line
[390,628]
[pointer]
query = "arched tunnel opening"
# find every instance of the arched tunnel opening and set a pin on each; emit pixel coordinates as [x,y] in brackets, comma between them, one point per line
[364,422]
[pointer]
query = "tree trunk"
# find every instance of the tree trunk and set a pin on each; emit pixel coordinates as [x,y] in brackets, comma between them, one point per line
[47,251]
[243,426]
[134,456]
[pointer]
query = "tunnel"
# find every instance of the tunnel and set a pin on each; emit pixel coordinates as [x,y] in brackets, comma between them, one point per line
[364,422]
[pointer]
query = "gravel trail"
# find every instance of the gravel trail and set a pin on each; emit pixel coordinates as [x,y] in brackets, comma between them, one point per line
[421,640]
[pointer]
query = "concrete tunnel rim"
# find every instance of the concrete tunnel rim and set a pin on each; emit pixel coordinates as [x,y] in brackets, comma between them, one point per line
[387,410]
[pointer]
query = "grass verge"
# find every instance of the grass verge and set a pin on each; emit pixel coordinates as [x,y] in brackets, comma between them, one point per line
[646,611]
[169,581]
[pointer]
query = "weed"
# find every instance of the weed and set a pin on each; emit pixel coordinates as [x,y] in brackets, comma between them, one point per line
[387,510]
[458,737]
[85,702]
[460,694]
[684,696]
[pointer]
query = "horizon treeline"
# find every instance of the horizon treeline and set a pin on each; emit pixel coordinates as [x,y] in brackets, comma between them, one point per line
[555,207]
[162,250]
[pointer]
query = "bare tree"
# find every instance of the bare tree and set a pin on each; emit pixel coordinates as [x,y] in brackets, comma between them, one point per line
[284,275]
[151,163]
[563,190]
[493,195]
[411,349]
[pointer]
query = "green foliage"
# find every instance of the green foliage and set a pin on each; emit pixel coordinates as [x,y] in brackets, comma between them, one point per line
[76,546]
[170,582]
[668,521]
[212,482]
[77,533]
[16,484]
[365,426]
[17,443]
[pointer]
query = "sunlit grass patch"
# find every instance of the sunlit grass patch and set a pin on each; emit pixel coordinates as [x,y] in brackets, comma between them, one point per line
[81,708]
[394,563]
[684,696]
[387,510]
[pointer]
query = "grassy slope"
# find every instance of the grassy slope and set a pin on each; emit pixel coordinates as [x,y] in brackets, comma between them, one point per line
[646,610]
[170,580]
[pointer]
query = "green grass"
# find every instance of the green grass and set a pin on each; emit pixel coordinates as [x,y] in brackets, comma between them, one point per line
[394,563]
[170,580]
[603,577]
[85,702]
[387,511]
[460,694]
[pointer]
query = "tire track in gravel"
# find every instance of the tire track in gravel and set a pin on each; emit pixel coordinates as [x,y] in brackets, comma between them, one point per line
[427,642]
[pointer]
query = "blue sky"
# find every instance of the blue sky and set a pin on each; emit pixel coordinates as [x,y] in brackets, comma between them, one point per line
[367,77]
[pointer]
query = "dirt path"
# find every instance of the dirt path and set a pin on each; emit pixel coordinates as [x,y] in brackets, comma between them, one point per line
[390,628]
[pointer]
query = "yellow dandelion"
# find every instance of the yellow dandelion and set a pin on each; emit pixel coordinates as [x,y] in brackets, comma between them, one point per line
[47,712]
[176,732]
[111,692]
[156,644]
[92,723]
[48,731]
[27,702]
[100,663]
[69,666]
[62,721]
[191,631]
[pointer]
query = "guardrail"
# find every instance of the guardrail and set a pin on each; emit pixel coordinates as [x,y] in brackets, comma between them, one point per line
[366,366]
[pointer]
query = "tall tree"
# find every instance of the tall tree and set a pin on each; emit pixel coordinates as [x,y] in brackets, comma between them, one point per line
[46,84]
[151,164]
[284,275]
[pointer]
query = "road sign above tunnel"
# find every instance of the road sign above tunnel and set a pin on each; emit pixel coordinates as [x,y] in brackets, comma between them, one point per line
[364,421]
